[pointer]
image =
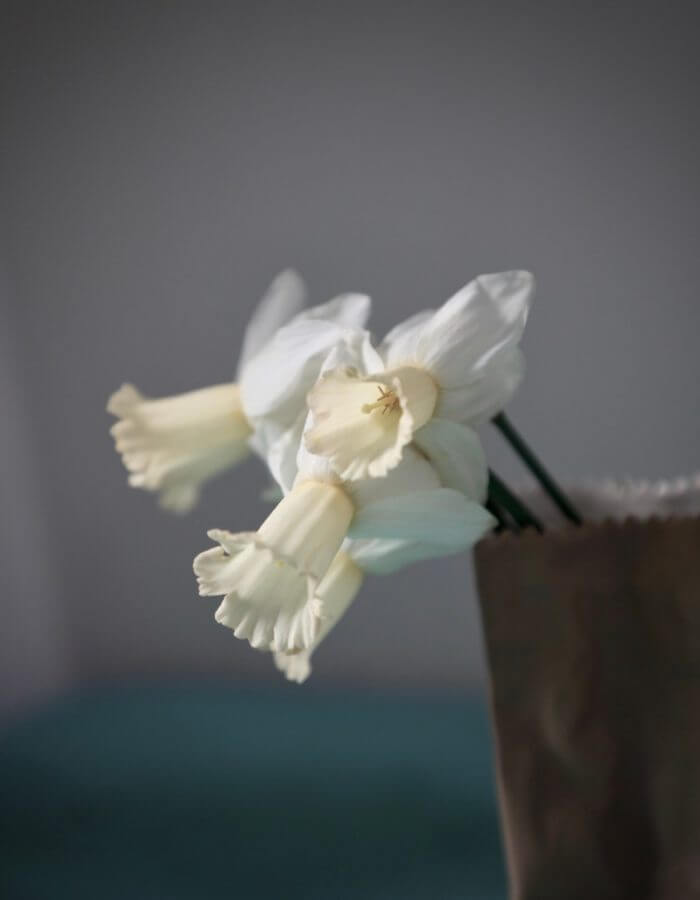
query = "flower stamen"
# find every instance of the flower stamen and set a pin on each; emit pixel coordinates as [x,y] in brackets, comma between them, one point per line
[387,402]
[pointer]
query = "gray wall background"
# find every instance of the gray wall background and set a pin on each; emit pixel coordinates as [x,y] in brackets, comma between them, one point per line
[162,161]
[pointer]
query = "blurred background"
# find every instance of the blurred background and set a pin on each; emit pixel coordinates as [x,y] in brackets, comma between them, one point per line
[160,163]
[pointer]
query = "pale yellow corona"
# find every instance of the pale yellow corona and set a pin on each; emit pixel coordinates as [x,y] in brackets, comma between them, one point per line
[269,577]
[336,592]
[362,424]
[172,445]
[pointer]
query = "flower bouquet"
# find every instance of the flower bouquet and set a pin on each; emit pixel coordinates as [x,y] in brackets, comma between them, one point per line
[590,626]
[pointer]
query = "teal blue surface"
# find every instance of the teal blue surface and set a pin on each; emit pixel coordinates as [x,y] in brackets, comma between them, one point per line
[201,793]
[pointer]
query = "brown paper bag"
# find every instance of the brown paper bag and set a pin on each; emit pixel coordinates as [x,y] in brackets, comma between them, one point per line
[593,645]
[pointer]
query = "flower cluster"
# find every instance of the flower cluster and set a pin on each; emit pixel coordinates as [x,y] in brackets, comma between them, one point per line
[372,446]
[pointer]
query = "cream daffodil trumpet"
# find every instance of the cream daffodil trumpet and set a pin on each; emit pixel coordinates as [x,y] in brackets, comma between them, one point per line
[363,423]
[172,445]
[336,592]
[270,578]
[460,364]
[344,579]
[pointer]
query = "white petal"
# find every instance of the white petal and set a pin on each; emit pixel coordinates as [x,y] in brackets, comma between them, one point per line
[401,336]
[282,301]
[356,353]
[383,557]
[441,516]
[172,445]
[314,468]
[413,473]
[276,381]
[467,335]
[278,447]
[487,392]
[486,315]
[455,452]
[347,310]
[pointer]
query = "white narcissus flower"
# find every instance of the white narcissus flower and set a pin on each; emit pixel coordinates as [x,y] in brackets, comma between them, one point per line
[452,448]
[459,365]
[270,579]
[172,445]
[460,463]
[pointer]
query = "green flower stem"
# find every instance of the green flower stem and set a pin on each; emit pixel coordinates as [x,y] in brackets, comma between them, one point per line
[503,497]
[548,484]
